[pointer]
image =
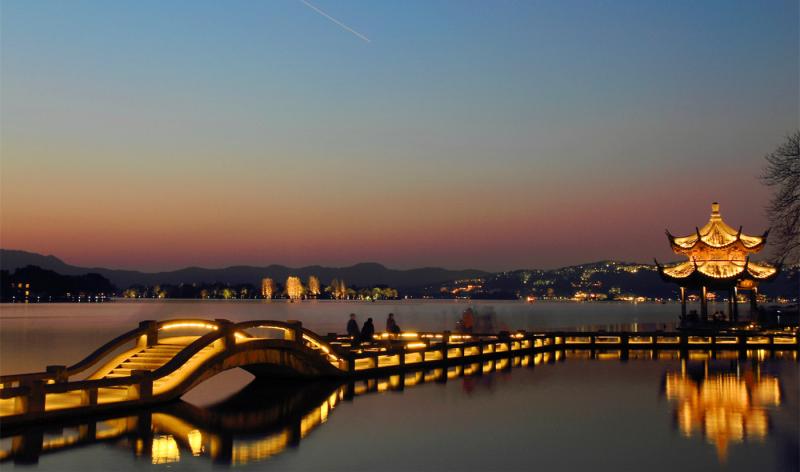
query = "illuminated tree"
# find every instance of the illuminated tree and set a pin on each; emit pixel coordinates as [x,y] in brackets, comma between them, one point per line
[337,289]
[158,292]
[782,173]
[294,288]
[268,288]
[228,293]
[343,291]
[313,286]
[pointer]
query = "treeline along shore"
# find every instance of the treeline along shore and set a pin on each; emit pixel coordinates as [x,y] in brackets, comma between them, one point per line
[51,280]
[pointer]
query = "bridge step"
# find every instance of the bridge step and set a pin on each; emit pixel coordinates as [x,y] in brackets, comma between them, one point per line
[141,365]
[150,357]
[157,354]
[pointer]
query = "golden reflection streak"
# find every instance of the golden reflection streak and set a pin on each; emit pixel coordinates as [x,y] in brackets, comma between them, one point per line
[726,408]
[165,449]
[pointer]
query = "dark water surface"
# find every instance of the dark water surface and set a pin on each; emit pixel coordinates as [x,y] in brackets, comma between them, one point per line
[562,411]
[35,335]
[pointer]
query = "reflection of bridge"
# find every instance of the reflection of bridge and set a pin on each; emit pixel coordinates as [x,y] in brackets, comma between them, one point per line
[266,418]
[255,424]
[168,358]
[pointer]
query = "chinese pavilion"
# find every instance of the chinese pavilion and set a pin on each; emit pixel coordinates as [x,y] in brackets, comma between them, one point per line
[718,259]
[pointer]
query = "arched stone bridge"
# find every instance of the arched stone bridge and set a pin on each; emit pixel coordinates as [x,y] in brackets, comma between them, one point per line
[161,360]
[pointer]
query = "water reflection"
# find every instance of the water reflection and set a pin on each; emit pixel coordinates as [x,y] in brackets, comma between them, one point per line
[262,420]
[722,406]
[725,401]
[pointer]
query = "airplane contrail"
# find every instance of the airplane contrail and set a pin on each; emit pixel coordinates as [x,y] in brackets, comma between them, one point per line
[309,5]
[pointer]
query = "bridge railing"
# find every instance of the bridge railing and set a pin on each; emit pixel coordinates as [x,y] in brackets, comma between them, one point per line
[386,350]
[294,331]
[146,334]
[62,373]
[31,397]
[31,392]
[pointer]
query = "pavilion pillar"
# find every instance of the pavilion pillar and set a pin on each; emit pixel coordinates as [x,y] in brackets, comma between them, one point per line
[753,301]
[731,301]
[703,303]
[735,303]
[683,302]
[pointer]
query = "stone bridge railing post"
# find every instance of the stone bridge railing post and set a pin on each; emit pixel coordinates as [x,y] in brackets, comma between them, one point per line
[89,397]
[295,332]
[142,389]
[151,333]
[34,401]
[59,373]
[226,328]
[445,345]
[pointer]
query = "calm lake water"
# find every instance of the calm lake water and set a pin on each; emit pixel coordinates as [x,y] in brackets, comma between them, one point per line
[562,411]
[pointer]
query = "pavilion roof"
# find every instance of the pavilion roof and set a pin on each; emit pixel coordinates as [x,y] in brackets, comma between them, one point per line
[719,270]
[717,234]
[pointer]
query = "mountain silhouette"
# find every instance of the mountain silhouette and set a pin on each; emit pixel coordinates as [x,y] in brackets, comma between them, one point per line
[362,274]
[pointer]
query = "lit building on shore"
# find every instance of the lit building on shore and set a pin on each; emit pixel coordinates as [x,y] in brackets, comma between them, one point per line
[718,259]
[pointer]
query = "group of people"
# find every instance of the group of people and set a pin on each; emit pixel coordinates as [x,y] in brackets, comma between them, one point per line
[368,330]
[365,334]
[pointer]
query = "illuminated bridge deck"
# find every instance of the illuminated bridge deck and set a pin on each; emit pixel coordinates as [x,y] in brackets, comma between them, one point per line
[160,361]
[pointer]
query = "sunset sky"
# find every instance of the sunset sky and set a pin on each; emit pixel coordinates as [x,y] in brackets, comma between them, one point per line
[494,135]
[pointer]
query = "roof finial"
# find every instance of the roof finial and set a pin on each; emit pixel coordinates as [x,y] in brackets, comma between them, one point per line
[715,216]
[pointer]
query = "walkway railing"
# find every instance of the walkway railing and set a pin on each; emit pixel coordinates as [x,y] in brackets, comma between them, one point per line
[224,345]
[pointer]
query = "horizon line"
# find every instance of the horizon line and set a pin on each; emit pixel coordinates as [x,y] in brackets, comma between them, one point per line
[155,271]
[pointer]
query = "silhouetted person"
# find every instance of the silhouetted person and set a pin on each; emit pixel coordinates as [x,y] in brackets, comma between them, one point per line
[391,325]
[352,327]
[368,330]
[467,321]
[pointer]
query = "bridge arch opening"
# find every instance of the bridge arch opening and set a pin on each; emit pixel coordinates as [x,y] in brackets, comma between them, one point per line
[218,388]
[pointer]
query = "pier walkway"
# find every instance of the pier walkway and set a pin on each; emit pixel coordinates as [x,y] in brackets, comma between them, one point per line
[161,360]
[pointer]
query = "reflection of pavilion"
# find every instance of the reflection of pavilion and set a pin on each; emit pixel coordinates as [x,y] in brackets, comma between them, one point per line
[726,408]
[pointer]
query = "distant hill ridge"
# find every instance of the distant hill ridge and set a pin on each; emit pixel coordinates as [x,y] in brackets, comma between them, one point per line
[363,274]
